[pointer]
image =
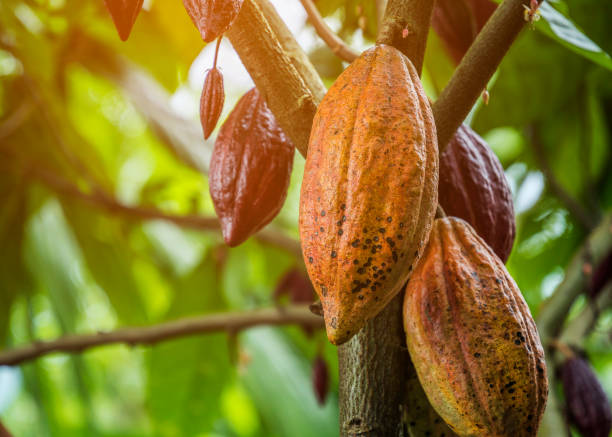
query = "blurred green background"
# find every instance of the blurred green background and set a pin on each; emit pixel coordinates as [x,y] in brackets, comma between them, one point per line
[79,108]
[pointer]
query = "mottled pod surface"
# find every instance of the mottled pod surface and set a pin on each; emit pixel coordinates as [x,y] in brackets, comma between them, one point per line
[473,187]
[124,14]
[369,192]
[471,337]
[250,169]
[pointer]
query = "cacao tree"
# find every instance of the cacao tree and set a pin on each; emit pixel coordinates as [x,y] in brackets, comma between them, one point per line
[435,259]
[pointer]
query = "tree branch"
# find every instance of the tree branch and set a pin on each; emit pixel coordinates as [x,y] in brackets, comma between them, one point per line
[279,67]
[229,322]
[333,41]
[413,17]
[572,205]
[476,68]
[580,326]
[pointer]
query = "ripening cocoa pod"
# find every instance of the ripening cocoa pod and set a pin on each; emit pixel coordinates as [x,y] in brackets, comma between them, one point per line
[124,14]
[211,101]
[587,405]
[320,379]
[212,17]
[473,342]
[420,417]
[250,169]
[473,187]
[457,22]
[369,192]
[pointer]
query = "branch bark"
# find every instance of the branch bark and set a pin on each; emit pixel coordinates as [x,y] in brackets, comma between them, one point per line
[229,322]
[333,41]
[476,68]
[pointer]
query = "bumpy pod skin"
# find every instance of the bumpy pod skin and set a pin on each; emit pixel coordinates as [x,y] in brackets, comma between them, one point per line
[124,14]
[211,101]
[212,17]
[250,169]
[473,187]
[369,192]
[471,337]
[588,406]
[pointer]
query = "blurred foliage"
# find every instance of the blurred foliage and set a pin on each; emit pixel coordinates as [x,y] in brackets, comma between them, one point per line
[66,266]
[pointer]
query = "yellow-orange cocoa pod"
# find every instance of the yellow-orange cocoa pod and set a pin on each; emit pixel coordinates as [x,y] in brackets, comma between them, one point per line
[472,340]
[369,192]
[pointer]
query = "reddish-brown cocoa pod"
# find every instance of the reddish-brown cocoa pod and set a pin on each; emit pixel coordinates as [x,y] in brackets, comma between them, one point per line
[601,276]
[320,379]
[124,14]
[212,17]
[471,337]
[588,407]
[457,22]
[296,285]
[250,169]
[473,187]
[213,97]
[369,192]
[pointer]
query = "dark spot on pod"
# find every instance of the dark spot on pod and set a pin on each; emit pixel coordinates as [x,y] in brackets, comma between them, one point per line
[361,270]
[333,254]
[477,355]
[416,253]
[321,229]
[310,259]
[355,243]
[529,428]
[356,261]
[389,219]
[391,242]
[530,417]
[498,280]
[368,241]
[517,342]
[360,297]
[383,264]
[322,213]
[365,230]
[383,277]
[375,238]
[343,207]
[343,218]
[376,298]
[394,256]
[374,268]
[323,290]
[340,232]
[375,275]
[339,223]
[511,390]
[389,269]
[400,237]
[333,322]
[401,224]
[373,249]
[378,219]
[381,230]
[540,369]
[373,288]
[490,385]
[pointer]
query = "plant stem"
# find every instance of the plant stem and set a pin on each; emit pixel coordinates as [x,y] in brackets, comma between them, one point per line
[219,38]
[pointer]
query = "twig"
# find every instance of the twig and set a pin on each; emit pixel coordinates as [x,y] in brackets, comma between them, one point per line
[405,27]
[572,205]
[333,41]
[231,322]
[476,68]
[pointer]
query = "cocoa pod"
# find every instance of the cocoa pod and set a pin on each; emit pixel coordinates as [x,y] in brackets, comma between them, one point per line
[369,192]
[601,276]
[588,407]
[419,416]
[212,17]
[320,379]
[473,187]
[457,22]
[211,101]
[250,169]
[124,14]
[296,285]
[472,340]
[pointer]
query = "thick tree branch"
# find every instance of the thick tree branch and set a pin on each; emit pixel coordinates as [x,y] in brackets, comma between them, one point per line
[333,41]
[279,67]
[476,68]
[228,322]
[576,209]
[406,26]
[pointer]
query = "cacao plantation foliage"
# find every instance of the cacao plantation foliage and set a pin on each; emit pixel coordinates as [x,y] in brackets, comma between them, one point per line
[135,150]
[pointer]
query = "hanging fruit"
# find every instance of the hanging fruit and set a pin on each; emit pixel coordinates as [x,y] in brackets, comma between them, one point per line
[124,14]
[250,169]
[213,97]
[320,379]
[369,192]
[473,187]
[472,340]
[212,17]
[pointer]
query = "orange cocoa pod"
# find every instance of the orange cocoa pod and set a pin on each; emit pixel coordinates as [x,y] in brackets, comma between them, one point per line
[473,187]
[124,14]
[369,192]
[211,101]
[212,17]
[250,169]
[472,340]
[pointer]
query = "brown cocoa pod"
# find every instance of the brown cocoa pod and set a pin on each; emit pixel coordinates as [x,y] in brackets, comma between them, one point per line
[124,14]
[211,101]
[295,284]
[601,276]
[250,169]
[473,187]
[473,342]
[212,17]
[419,416]
[588,407]
[369,192]
[320,379]
[457,22]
